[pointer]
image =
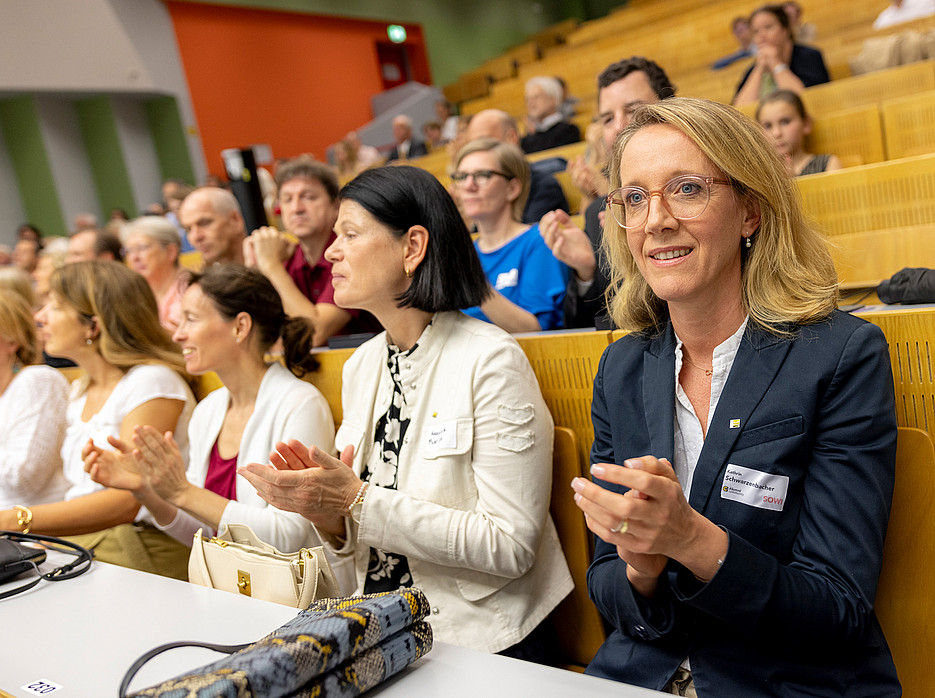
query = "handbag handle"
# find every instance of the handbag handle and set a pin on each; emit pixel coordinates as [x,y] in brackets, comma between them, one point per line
[78,566]
[138,664]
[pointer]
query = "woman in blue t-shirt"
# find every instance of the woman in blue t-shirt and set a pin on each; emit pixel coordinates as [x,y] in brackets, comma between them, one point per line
[492,184]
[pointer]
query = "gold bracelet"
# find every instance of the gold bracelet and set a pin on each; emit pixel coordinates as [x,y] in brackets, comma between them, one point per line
[23,517]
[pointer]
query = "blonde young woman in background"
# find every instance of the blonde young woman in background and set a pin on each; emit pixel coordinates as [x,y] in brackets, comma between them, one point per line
[103,316]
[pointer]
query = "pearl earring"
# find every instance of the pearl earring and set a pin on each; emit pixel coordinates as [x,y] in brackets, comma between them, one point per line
[749,244]
[89,341]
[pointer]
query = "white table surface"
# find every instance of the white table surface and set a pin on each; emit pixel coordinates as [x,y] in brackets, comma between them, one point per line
[82,634]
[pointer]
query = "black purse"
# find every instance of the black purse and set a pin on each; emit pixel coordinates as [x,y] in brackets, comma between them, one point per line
[16,559]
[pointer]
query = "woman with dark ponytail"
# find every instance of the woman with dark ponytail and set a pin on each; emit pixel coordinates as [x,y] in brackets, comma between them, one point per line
[231,316]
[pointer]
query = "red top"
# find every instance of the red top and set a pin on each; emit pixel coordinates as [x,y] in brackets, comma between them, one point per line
[222,475]
[315,284]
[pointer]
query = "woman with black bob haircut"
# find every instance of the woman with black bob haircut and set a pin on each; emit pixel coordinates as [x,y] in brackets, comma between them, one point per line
[231,316]
[445,430]
[450,277]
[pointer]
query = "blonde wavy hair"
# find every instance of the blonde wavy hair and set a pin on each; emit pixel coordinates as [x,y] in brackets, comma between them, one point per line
[17,325]
[788,277]
[126,312]
[510,159]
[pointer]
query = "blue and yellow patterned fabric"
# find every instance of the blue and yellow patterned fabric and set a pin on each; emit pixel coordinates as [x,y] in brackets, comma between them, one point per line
[334,648]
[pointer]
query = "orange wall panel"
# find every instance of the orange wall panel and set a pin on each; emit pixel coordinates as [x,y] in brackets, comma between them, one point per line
[295,81]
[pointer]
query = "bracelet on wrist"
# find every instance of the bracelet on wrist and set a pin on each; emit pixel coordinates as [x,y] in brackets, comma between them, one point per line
[780,68]
[23,517]
[358,500]
[705,581]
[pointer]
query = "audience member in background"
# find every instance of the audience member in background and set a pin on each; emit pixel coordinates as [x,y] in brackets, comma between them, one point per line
[6,255]
[781,64]
[215,227]
[406,147]
[93,244]
[53,256]
[569,104]
[103,316]
[155,209]
[740,28]
[445,115]
[803,32]
[231,317]
[27,231]
[545,193]
[547,126]
[345,160]
[622,88]
[444,426]
[738,374]
[174,192]
[118,214]
[151,247]
[587,171]
[492,183]
[782,115]
[900,11]
[367,155]
[213,180]
[86,221]
[32,410]
[19,282]
[308,192]
[26,254]
[432,133]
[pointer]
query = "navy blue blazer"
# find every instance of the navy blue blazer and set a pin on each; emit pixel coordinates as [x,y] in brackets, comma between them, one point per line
[790,612]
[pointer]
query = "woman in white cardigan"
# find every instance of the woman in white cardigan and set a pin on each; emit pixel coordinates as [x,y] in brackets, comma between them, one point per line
[448,439]
[231,316]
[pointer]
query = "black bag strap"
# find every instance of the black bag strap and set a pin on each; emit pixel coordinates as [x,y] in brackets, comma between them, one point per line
[138,664]
[78,566]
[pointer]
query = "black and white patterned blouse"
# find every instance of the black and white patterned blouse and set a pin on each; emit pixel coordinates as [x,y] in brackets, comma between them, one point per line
[388,571]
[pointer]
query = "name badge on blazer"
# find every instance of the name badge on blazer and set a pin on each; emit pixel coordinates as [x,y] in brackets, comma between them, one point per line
[754,487]
[438,437]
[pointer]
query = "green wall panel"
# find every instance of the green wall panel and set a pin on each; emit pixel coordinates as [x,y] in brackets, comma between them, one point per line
[19,119]
[98,127]
[168,133]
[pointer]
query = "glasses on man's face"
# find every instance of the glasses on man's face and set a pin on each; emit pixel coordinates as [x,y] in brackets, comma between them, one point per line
[481,177]
[685,197]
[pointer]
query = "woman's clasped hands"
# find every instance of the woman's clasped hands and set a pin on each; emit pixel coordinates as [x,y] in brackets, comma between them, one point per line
[154,463]
[309,482]
[651,522]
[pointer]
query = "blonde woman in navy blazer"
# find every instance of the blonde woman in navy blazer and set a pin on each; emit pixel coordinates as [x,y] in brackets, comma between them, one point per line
[745,435]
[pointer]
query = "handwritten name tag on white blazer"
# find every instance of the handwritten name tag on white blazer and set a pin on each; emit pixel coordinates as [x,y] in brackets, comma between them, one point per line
[440,436]
[754,487]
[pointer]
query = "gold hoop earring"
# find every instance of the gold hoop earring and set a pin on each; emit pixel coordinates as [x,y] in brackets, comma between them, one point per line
[408,272]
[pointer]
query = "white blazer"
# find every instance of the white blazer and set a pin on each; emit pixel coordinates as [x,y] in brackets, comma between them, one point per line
[471,512]
[286,408]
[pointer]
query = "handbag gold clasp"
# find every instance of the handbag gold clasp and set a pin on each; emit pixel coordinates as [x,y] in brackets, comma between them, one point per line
[243,582]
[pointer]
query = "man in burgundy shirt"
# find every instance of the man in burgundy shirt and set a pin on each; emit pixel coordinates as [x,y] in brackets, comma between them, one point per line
[307,193]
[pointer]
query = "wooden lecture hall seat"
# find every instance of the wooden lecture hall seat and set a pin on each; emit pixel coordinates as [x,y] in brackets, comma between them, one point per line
[905,603]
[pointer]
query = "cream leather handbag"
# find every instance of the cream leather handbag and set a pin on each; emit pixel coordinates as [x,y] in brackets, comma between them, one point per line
[239,562]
